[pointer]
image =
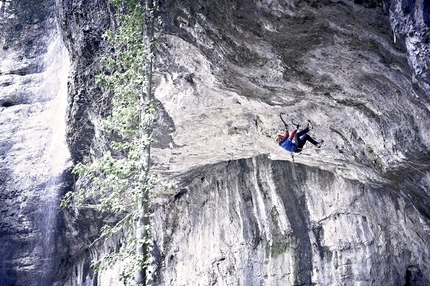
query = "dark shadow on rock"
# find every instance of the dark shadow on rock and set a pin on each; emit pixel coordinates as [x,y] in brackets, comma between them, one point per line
[289,177]
[414,277]
[163,127]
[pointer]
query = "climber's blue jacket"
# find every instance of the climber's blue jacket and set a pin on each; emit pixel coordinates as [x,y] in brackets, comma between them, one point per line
[288,145]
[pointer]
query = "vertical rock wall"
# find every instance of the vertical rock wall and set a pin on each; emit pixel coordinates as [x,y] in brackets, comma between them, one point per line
[354,211]
[263,222]
[410,21]
[82,24]
[34,157]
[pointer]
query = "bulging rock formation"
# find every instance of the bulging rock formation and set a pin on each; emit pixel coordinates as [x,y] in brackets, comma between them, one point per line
[336,215]
[243,211]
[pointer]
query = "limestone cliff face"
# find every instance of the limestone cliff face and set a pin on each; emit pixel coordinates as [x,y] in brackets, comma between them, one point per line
[410,22]
[34,157]
[354,212]
[258,221]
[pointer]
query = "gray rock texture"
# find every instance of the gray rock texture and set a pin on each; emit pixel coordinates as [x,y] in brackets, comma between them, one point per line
[34,157]
[335,216]
[267,222]
[353,212]
[242,212]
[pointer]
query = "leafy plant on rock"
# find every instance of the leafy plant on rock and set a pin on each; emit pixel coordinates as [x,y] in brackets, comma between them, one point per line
[122,181]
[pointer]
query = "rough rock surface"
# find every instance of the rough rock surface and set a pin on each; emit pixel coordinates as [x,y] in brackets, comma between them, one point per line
[33,152]
[354,212]
[270,222]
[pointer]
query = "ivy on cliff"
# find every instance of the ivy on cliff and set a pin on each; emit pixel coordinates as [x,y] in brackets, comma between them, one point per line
[122,180]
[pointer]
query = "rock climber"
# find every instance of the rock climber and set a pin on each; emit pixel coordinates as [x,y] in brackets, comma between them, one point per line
[300,139]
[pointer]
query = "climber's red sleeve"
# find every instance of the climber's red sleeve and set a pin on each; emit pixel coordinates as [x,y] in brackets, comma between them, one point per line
[286,134]
[292,134]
